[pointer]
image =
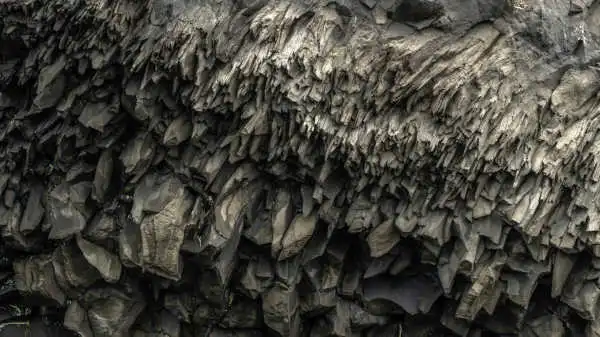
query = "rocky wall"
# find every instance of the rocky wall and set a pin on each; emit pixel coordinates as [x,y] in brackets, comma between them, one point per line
[299,168]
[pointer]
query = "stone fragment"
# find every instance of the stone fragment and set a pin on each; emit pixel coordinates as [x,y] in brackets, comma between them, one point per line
[153,194]
[66,211]
[102,176]
[256,277]
[178,131]
[96,116]
[581,294]
[361,319]
[51,84]
[34,210]
[130,241]
[35,276]
[548,325]
[72,270]
[383,238]
[317,244]
[231,227]
[162,235]
[297,235]
[460,327]
[485,278]
[138,154]
[360,215]
[223,235]
[520,287]
[281,218]
[111,312]
[318,302]
[339,319]
[563,264]
[260,230]
[105,262]
[280,308]
[9,228]
[101,227]
[76,320]
[575,89]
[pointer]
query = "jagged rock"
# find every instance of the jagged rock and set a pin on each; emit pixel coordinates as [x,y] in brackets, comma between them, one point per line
[34,210]
[484,283]
[101,227]
[383,238]
[563,264]
[360,215]
[72,270]
[281,312]
[9,227]
[130,241]
[256,277]
[35,275]
[77,321]
[581,293]
[162,235]
[51,84]
[96,115]
[111,312]
[67,212]
[341,168]
[281,218]
[318,302]
[297,235]
[548,325]
[107,264]
[103,175]
[178,131]
[361,319]
[138,154]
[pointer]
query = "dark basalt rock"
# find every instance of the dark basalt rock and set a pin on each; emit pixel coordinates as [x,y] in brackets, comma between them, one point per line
[376,168]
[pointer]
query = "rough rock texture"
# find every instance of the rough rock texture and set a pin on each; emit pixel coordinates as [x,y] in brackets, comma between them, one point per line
[375,168]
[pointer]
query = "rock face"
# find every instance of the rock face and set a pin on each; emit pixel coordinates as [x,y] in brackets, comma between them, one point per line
[299,168]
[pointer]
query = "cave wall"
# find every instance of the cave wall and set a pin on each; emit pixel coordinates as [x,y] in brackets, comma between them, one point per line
[306,168]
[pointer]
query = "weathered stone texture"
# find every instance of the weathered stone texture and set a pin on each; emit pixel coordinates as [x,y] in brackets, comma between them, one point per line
[299,168]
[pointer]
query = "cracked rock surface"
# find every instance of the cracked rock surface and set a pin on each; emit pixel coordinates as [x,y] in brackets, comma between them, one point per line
[376,168]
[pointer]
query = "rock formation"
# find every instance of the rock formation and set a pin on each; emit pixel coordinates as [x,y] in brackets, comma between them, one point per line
[376,168]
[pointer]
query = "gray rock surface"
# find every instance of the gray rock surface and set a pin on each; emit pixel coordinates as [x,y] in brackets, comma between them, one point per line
[377,168]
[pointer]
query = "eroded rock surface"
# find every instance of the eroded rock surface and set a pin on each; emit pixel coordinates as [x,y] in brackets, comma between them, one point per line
[376,168]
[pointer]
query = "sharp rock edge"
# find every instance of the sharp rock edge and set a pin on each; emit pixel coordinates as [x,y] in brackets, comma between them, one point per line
[299,168]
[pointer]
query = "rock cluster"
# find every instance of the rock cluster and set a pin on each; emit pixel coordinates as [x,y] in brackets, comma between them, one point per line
[299,168]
